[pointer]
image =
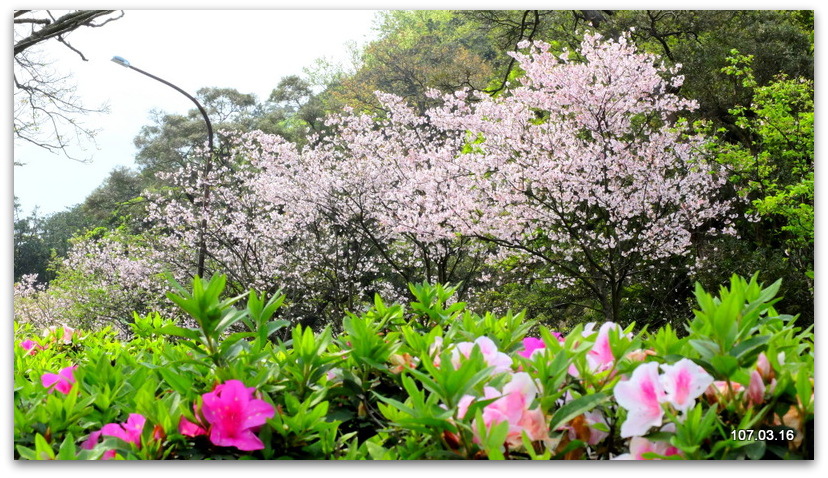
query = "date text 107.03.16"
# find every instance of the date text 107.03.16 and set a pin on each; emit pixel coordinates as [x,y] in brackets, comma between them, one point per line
[786,434]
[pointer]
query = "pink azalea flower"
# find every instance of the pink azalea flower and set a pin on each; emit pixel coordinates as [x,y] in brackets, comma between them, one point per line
[190,429]
[493,357]
[63,333]
[334,375]
[719,390]
[130,432]
[756,389]
[61,381]
[640,355]
[233,413]
[507,408]
[31,346]
[764,367]
[463,405]
[511,406]
[641,396]
[683,382]
[640,445]
[530,345]
[435,349]
[93,439]
[592,418]
[535,424]
[600,356]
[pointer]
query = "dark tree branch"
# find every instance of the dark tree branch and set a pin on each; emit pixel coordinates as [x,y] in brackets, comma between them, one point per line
[523,26]
[61,26]
[47,111]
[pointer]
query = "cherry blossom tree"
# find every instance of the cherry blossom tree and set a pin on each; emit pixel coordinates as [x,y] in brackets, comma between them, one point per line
[582,171]
[585,167]
[105,278]
[383,179]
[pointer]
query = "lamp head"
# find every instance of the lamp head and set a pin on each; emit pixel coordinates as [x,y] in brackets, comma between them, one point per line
[121,61]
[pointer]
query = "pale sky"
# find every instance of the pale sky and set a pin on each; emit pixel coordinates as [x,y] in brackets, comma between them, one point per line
[249,50]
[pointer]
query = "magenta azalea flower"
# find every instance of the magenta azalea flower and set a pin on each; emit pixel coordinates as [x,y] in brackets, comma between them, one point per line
[61,381]
[530,344]
[683,382]
[31,346]
[641,396]
[130,431]
[233,413]
[190,429]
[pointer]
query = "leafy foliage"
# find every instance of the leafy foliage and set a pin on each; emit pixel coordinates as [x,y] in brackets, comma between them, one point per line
[389,388]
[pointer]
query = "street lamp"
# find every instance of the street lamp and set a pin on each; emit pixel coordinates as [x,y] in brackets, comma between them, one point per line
[202,247]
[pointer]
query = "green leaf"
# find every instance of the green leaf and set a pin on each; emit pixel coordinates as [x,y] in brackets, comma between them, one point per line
[804,389]
[180,382]
[755,450]
[43,449]
[751,346]
[178,332]
[725,365]
[576,407]
[67,450]
[706,348]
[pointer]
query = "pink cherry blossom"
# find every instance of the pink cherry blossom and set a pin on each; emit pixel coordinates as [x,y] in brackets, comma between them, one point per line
[408,186]
[61,381]
[641,396]
[683,382]
[233,413]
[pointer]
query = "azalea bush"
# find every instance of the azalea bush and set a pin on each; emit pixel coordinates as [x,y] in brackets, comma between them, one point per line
[424,380]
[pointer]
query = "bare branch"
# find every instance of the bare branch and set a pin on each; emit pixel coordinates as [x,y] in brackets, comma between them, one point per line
[65,24]
[47,111]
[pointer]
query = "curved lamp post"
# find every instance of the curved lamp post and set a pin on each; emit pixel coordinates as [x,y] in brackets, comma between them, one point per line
[202,246]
